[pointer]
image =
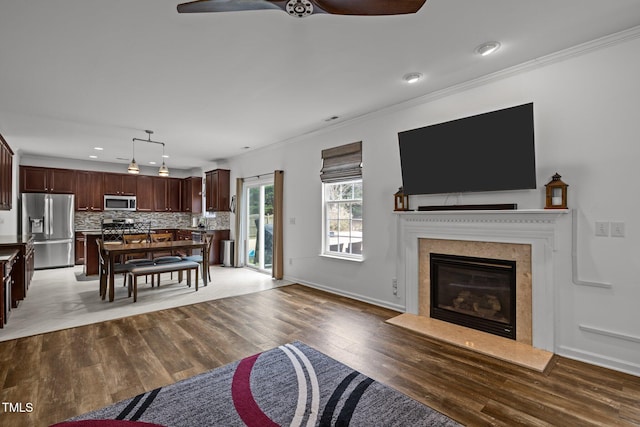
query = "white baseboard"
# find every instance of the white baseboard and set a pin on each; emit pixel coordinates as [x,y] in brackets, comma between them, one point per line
[358,297]
[600,360]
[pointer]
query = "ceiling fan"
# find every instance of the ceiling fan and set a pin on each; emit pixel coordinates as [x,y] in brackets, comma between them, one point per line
[302,8]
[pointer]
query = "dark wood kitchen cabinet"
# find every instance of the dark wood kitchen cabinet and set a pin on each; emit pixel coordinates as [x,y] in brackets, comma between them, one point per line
[8,257]
[6,175]
[80,237]
[192,194]
[217,190]
[166,194]
[90,253]
[89,191]
[34,179]
[144,193]
[215,256]
[23,268]
[120,184]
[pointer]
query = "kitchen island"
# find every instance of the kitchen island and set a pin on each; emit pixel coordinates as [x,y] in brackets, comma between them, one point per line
[8,257]
[23,268]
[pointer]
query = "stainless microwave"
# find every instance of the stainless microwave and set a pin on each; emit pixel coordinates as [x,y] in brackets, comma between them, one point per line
[119,203]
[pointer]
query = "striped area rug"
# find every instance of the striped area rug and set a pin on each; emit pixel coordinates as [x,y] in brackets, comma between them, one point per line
[292,385]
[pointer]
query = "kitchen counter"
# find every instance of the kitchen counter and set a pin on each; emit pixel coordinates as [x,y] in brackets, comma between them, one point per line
[14,239]
[203,230]
[210,230]
[7,254]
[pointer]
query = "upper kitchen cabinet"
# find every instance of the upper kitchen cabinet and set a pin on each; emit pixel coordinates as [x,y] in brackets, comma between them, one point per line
[217,190]
[192,194]
[166,194]
[144,193]
[120,184]
[89,191]
[47,180]
[6,175]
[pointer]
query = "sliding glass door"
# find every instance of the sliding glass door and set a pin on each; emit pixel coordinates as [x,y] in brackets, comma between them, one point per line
[259,225]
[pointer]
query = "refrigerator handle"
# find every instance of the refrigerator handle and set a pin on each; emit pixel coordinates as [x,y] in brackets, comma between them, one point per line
[47,215]
[50,216]
[45,218]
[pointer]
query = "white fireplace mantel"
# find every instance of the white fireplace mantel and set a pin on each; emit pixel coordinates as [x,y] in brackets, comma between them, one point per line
[536,227]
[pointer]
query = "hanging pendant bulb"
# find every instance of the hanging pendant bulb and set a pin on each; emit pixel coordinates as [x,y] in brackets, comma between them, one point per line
[133,166]
[164,170]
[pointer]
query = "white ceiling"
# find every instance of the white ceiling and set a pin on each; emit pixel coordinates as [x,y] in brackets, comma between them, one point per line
[75,74]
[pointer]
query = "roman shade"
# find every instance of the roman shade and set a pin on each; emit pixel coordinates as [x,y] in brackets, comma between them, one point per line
[342,163]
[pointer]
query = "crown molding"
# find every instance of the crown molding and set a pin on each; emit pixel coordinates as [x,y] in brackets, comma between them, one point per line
[559,56]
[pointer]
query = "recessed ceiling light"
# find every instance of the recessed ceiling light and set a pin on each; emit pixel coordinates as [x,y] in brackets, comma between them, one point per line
[152,163]
[487,48]
[93,157]
[98,148]
[165,156]
[412,77]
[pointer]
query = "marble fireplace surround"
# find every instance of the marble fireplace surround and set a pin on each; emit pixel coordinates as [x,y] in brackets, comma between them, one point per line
[528,236]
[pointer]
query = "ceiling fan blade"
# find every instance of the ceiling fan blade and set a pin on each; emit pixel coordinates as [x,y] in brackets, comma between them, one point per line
[226,6]
[301,8]
[370,7]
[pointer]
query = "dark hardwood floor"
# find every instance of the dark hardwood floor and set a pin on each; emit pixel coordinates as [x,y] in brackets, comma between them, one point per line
[70,372]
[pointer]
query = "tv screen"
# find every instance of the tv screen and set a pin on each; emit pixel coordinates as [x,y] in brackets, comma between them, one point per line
[488,152]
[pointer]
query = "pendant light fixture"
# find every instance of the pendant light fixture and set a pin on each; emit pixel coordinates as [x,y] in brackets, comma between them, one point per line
[164,170]
[133,166]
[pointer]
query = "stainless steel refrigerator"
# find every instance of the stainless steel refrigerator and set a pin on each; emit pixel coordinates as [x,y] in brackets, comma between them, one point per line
[49,218]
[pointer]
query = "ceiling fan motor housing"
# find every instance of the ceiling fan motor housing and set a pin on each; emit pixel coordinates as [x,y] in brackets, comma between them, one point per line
[299,8]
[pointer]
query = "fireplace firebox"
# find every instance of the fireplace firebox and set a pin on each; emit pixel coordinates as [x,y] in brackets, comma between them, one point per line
[478,293]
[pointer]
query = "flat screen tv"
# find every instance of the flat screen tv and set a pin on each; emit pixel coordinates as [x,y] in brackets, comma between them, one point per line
[493,151]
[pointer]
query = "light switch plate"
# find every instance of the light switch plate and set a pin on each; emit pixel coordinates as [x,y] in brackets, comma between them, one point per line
[602,228]
[617,229]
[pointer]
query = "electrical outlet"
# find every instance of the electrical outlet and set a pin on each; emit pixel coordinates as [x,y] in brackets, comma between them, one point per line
[617,229]
[292,220]
[602,228]
[394,286]
[290,261]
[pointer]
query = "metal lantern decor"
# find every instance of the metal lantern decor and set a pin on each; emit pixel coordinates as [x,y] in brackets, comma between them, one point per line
[556,193]
[401,201]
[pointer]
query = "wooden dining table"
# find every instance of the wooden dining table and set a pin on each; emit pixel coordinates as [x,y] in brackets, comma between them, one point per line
[113,250]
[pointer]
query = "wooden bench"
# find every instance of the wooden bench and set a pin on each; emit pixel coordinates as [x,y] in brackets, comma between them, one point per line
[158,268]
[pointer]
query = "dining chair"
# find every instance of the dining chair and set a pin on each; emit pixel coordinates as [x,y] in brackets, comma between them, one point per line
[136,238]
[103,269]
[137,258]
[200,259]
[166,256]
[162,237]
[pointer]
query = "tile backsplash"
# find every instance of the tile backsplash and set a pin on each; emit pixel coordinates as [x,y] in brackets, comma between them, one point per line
[85,221]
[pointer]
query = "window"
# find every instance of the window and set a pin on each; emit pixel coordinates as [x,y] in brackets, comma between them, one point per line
[341,176]
[343,219]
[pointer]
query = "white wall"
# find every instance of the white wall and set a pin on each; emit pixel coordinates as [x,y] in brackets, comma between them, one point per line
[587,115]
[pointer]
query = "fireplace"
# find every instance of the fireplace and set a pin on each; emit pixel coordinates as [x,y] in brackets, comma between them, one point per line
[531,238]
[478,293]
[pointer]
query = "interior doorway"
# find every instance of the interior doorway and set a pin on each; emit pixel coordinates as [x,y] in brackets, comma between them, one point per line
[258,225]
